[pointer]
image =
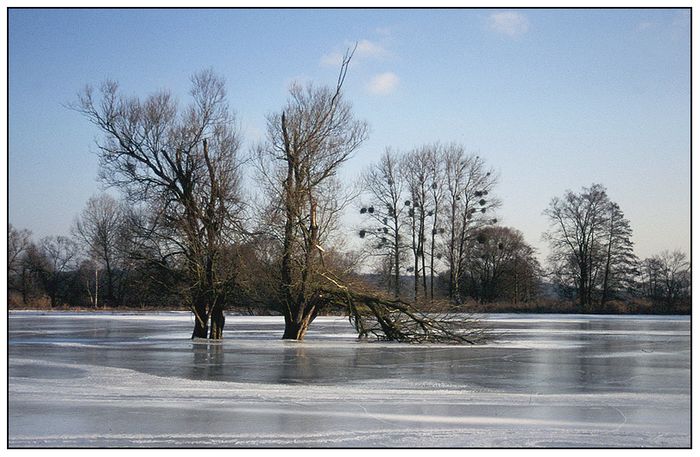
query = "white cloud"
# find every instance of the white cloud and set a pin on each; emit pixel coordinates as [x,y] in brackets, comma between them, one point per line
[366,49]
[383,83]
[509,23]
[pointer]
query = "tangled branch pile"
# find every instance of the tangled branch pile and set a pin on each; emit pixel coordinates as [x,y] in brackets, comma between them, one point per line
[394,320]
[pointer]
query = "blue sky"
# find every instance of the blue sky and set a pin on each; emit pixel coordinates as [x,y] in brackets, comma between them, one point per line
[553,99]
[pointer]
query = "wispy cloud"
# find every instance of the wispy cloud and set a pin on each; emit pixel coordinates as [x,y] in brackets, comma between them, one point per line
[383,83]
[366,50]
[370,49]
[509,23]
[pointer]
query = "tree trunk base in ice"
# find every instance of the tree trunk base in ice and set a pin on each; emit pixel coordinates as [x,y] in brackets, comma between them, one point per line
[295,330]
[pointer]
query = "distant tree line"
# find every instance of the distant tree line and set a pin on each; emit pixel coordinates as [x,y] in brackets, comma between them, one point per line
[99,265]
[185,233]
[428,214]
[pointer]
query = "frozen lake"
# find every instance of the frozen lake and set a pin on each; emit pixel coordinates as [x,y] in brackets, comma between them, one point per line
[548,381]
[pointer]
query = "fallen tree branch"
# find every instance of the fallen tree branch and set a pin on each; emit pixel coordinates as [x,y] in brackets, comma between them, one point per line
[394,320]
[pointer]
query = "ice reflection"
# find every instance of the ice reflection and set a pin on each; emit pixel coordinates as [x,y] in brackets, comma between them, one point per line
[208,360]
[296,366]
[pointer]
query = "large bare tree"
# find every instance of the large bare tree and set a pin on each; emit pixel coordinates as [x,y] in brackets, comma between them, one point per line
[182,166]
[307,142]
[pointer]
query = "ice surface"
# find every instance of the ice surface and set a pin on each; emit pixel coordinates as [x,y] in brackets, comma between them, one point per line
[547,381]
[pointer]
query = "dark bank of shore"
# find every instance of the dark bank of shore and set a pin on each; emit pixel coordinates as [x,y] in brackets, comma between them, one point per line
[540,307]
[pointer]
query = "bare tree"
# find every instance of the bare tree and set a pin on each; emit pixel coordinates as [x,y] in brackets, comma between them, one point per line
[56,255]
[182,165]
[307,143]
[417,171]
[620,261]
[383,185]
[437,194]
[666,280]
[469,205]
[99,228]
[88,276]
[651,279]
[524,275]
[590,242]
[18,243]
[503,266]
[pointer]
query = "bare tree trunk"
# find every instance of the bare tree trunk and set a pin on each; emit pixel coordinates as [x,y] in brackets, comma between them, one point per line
[298,323]
[422,256]
[590,283]
[292,324]
[216,332]
[432,269]
[389,274]
[110,287]
[608,258]
[582,290]
[452,264]
[397,272]
[295,328]
[421,246]
[415,264]
[606,280]
[53,292]
[200,319]
[25,286]
[432,251]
